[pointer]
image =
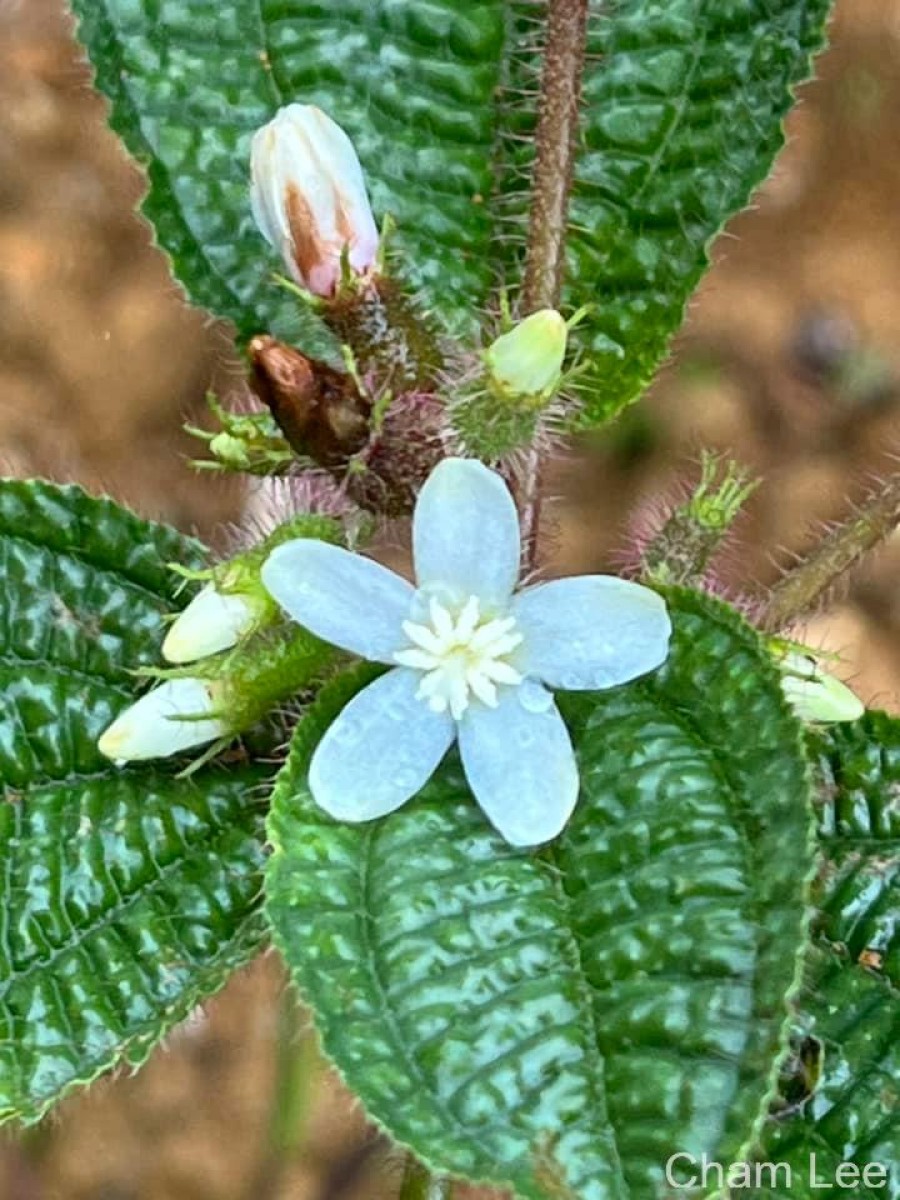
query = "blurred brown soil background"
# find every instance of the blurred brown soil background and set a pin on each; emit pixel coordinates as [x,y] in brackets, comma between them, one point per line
[790,360]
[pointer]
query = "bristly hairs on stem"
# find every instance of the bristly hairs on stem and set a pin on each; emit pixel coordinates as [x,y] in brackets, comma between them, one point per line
[812,580]
[555,142]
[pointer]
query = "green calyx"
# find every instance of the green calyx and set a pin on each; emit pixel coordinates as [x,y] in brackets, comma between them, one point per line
[241,574]
[256,658]
[686,542]
[269,670]
[250,442]
[521,378]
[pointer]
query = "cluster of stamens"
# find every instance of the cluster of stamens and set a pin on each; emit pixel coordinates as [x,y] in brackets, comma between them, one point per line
[461,656]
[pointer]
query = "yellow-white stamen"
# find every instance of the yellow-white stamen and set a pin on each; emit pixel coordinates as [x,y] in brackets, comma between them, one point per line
[460,656]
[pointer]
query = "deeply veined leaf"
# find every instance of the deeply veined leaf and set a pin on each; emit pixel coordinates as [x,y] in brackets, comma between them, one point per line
[683,104]
[416,85]
[128,895]
[564,1020]
[682,108]
[849,1025]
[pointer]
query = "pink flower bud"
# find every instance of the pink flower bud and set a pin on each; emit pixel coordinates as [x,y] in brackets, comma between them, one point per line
[309,197]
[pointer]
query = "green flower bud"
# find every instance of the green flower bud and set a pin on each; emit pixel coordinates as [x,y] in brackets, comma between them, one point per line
[527,361]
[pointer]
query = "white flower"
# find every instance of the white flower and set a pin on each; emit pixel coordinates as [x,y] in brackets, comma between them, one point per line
[308,196]
[814,694]
[212,622]
[527,361]
[471,658]
[176,716]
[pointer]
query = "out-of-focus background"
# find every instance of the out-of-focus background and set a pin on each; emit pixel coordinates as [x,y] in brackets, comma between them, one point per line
[790,360]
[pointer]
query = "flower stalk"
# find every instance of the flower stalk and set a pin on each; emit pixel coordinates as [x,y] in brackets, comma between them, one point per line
[807,584]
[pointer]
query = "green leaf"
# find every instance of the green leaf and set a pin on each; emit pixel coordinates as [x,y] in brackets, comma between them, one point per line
[850,1003]
[683,103]
[128,895]
[415,85]
[564,1020]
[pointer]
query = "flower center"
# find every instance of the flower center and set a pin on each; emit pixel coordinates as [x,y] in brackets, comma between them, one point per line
[460,657]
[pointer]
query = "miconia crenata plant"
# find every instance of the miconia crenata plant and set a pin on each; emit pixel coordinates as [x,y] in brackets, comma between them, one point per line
[586,881]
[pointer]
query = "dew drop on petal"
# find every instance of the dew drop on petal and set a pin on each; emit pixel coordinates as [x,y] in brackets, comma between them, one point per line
[572,681]
[346,731]
[534,697]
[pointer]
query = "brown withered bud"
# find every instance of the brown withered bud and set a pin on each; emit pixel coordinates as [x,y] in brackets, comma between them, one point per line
[319,410]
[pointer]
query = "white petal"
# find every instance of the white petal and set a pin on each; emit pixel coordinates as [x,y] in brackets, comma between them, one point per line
[380,750]
[592,631]
[159,723]
[213,621]
[466,534]
[343,598]
[521,766]
[308,196]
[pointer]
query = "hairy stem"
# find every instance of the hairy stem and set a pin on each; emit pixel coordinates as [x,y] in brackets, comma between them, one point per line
[555,141]
[801,589]
[419,1184]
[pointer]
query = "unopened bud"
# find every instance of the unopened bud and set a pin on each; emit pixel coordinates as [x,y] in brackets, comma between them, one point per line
[309,198]
[527,361]
[813,693]
[213,621]
[233,604]
[177,715]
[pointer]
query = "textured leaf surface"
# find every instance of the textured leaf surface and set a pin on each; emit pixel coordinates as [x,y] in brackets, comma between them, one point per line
[128,895]
[413,83]
[851,999]
[683,101]
[683,106]
[565,1020]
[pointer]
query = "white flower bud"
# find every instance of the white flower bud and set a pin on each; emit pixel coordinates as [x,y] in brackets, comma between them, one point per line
[528,360]
[213,621]
[815,695]
[309,197]
[176,716]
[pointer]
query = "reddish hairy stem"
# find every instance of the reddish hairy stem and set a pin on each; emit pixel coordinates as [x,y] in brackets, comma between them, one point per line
[842,548]
[555,142]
